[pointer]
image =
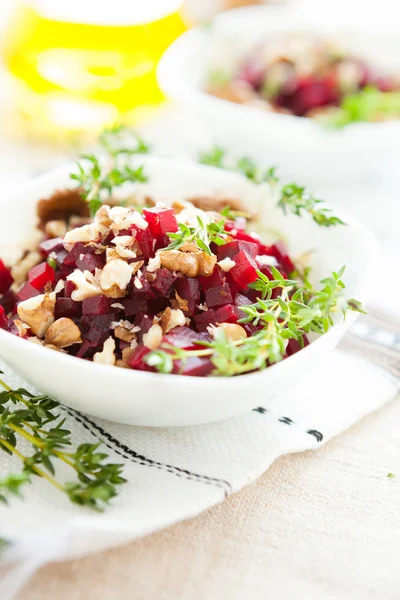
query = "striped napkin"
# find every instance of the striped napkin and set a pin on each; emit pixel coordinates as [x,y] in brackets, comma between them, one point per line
[176,473]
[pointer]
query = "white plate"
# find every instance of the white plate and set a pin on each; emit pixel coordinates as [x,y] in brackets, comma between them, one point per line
[303,149]
[170,400]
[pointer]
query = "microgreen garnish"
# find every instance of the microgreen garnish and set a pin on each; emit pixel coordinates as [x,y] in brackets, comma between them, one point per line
[25,417]
[97,179]
[292,197]
[202,235]
[391,475]
[368,104]
[297,311]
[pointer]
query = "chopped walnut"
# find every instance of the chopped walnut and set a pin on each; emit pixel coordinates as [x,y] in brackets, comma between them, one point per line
[23,328]
[172,318]
[102,218]
[152,339]
[55,229]
[115,277]
[86,233]
[86,285]
[226,264]
[107,355]
[127,354]
[232,331]
[124,218]
[20,270]
[124,334]
[122,364]
[180,302]
[63,333]
[62,205]
[154,264]
[193,263]
[38,312]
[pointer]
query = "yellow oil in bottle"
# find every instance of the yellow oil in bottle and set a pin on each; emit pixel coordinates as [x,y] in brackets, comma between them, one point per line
[81,65]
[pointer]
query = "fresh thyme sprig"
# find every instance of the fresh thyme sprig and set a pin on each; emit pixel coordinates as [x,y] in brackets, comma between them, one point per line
[97,179]
[202,235]
[296,312]
[292,197]
[24,416]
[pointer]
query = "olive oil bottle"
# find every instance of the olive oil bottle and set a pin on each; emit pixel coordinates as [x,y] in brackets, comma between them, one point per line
[80,65]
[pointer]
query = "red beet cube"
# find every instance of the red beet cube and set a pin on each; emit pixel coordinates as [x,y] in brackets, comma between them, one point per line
[280,252]
[3,318]
[227,314]
[205,319]
[218,296]
[27,291]
[196,366]
[137,359]
[90,262]
[74,254]
[66,307]
[5,278]
[145,240]
[161,221]
[51,245]
[41,274]
[295,345]
[184,337]
[69,287]
[8,301]
[245,269]
[83,349]
[96,329]
[164,281]
[247,237]
[231,249]
[188,288]
[99,305]
[134,305]
[217,277]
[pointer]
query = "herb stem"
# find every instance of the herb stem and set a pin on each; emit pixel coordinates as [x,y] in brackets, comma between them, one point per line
[25,459]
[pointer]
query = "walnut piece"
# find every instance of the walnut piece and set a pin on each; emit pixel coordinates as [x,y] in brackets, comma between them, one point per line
[194,263]
[63,333]
[62,205]
[38,312]
[152,339]
[55,229]
[23,328]
[86,285]
[127,354]
[115,277]
[107,355]
[172,318]
[180,302]
[233,332]
[124,334]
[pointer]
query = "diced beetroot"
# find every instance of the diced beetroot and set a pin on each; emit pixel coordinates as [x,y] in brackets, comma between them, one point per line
[196,366]
[8,301]
[134,305]
[69,287]
[164,281]
[280,252]
[217,277]
[27,291]
[83,349]
[146,291]
[266,271]
[74,254]
[227,314]
[5,278]
[91,262]
[98,305]
[205,319]
[247,237]
[157,305]
[162,242]
[96,328]
[161,221]
[145,241]
[66,307]
[294,345]
[41,274]
[144,322]
[184,337]
[245,269]
[51,245]
[3,319]
[59,257]
[188,288]
[218,296]
[231,249]
[136,361]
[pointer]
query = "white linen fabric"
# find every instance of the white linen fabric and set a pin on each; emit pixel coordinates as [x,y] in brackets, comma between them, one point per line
[176,473]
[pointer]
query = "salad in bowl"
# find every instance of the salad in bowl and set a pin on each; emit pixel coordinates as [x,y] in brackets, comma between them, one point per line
[149,271]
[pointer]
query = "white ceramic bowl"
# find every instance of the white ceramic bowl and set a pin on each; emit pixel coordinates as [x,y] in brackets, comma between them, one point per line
[170,400]
[303,149]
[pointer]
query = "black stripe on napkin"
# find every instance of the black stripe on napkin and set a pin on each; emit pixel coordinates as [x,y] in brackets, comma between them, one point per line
[129,454]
